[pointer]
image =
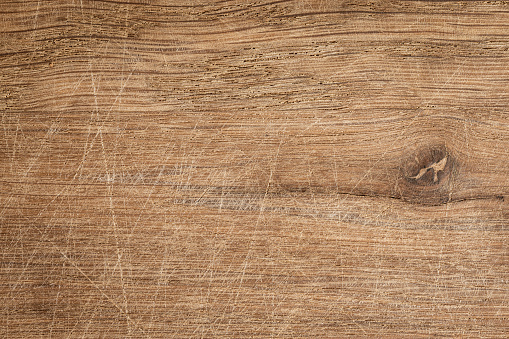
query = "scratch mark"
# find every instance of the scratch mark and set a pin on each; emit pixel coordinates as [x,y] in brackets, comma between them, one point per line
[69,335]
[53,129]
[37,14]
[222,191]
[14,146]
[262,208]
[114,222]
[44,144]
[125,314]
[54,312]
[88,147]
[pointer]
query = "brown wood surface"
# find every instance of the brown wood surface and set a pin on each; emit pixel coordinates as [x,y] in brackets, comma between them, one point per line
[257,169]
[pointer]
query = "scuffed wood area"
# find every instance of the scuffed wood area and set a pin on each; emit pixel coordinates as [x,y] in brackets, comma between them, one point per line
[258,169]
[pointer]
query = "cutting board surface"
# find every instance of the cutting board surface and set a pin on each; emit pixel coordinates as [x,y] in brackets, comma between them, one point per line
[254,169]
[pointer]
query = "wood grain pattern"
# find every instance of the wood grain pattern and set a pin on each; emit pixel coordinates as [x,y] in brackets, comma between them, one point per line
[254,169]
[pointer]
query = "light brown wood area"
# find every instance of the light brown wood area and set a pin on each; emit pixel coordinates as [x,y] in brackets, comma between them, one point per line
[254,169]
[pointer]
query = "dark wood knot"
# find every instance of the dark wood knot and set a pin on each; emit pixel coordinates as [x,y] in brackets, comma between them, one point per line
[426,176]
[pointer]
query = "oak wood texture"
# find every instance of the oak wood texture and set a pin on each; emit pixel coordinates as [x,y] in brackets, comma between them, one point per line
[200,169]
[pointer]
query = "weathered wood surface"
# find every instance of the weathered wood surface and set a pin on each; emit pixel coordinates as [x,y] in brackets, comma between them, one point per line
[254,169]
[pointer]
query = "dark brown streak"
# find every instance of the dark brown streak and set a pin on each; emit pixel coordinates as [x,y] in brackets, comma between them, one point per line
[310,14]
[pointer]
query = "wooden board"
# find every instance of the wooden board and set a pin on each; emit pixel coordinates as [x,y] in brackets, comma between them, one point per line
[254,169]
